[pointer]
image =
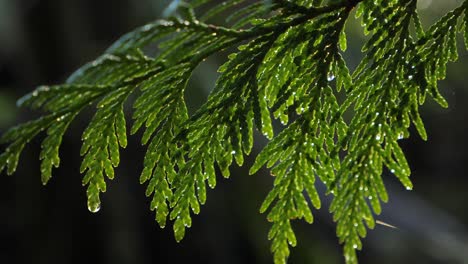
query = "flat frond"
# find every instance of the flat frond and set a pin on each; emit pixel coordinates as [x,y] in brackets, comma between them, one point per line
[340,128]
[102,139]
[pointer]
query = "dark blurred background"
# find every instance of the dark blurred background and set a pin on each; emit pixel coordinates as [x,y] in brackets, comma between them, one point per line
[43,41]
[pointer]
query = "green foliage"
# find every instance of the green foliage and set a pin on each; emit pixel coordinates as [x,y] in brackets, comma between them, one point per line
[288,65]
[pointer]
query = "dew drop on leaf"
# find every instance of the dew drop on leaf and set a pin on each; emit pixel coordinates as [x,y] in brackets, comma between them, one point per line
[94,208]
[400,136]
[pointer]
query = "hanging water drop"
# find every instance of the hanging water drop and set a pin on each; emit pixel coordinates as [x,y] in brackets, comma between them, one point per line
[378,137]
[400,136]
[330,77]
[94,208]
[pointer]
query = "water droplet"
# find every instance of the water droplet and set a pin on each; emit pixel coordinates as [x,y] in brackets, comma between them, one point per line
[94,208]
[392,171]
[330,77]
[409,188]
[233,152]
[410,77]
[378,137]
[400,136]
[146,28]
[354,246]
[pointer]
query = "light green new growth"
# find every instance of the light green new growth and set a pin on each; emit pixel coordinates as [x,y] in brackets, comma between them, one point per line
[288,54]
